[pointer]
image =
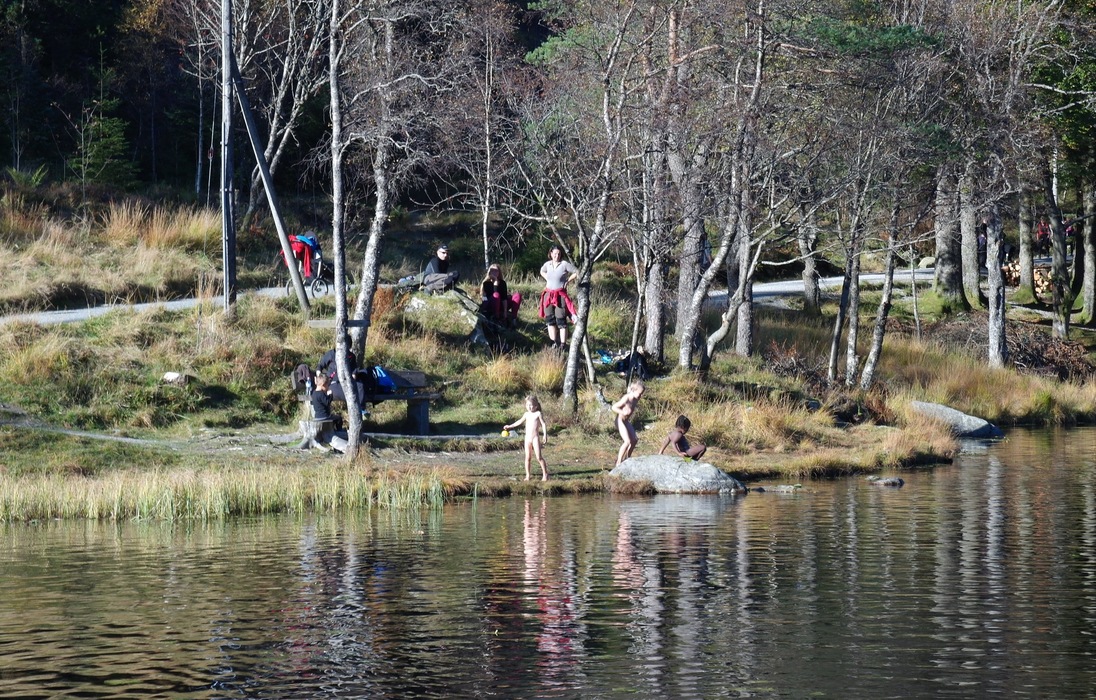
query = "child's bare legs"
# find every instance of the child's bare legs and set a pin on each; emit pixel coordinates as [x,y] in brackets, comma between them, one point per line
[628,438]
[540,460]
[528,455]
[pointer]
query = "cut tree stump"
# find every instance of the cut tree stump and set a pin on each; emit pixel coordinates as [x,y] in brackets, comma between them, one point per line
[316,433]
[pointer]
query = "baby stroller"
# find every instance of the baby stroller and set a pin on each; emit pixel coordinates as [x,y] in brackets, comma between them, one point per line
[322,277]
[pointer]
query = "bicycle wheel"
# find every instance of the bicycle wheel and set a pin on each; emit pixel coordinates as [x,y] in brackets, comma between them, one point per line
[320,288]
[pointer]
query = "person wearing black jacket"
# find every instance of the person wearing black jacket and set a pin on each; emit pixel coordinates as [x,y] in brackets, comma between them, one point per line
[437,275]
[329,368]
[321,401]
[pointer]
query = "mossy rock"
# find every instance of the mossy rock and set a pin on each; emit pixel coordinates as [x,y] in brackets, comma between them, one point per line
[451,313]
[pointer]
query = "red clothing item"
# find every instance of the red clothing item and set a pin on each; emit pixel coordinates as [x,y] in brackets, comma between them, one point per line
[303,253]
[555,297]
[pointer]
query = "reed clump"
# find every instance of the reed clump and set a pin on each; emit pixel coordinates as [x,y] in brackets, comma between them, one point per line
[217,493]
[547,372]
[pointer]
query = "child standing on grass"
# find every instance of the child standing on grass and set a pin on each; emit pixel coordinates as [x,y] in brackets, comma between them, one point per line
[321,401]
[534,424]
[624,408]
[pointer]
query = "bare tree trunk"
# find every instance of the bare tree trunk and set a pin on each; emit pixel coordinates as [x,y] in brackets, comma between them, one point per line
[688,270]
[1026,259]
[948,275]
[838,327]
[1062,297]
[338,243]
[654,294]
[1074,246]
[1088,246]
[997,350]
[852,359]
[968,233]
[370,275]
[867,377]
[382,182]
[578,333]
[744,331]
[807,237]
[849,307]
[652,256]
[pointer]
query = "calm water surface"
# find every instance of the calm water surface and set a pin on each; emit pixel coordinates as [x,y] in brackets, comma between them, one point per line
[975,579]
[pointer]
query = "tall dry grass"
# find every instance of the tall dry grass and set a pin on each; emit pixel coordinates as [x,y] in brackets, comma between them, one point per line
[21,222]
[127,223]
[547,372]
[501,374]
[926,372]
[214,494]
[132,252]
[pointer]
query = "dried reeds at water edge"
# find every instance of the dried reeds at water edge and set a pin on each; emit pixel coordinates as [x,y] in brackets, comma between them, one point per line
[214,494]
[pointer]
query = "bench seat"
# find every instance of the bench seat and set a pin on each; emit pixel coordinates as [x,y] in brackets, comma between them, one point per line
[411,387]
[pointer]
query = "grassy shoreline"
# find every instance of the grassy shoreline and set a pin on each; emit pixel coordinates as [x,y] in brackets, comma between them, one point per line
[215,445]
[172,486]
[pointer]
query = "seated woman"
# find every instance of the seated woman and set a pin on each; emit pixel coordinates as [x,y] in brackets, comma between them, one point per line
[496,304]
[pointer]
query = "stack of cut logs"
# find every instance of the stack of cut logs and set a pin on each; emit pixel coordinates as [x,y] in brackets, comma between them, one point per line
[1011,273]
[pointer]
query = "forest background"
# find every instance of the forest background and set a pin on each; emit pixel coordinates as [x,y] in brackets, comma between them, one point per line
[700,140]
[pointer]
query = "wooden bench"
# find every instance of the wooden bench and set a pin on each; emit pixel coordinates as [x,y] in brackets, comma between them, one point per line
[411,387]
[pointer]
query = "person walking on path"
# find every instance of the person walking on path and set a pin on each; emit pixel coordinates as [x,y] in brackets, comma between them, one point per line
[556,306]
[536,435]
[624,408]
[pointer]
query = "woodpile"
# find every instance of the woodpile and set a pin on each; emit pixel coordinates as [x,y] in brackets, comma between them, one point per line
[1041,277]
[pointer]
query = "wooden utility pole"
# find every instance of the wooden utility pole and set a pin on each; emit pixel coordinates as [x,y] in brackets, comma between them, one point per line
[268,186]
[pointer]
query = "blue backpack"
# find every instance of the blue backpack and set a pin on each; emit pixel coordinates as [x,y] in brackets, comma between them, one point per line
[385,383]
[310,241]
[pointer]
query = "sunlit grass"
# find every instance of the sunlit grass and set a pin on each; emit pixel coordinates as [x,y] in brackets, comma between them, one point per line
[213,494]
[926,372]
[128,222]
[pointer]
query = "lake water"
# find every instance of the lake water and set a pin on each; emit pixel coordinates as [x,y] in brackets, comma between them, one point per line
[974,579]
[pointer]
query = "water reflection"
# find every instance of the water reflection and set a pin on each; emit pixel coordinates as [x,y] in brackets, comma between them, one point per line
[978,577]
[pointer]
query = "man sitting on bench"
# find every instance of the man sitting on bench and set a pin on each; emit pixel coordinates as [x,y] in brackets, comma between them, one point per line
[328,368]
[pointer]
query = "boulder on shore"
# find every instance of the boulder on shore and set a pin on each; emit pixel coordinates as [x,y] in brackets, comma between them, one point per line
[450,313]
[672,474]
[961,424]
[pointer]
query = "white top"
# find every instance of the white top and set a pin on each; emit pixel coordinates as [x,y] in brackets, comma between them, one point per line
[557,274]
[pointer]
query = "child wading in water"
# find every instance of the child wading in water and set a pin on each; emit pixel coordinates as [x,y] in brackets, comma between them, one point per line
[624,408]
[534,424]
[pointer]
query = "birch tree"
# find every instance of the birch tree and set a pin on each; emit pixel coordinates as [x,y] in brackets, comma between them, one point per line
[574,128]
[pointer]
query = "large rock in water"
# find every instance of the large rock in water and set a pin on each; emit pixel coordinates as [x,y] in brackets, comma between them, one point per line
[961,424]
[672,474]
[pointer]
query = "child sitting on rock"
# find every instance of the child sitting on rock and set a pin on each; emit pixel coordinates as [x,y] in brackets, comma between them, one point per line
[681,446]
